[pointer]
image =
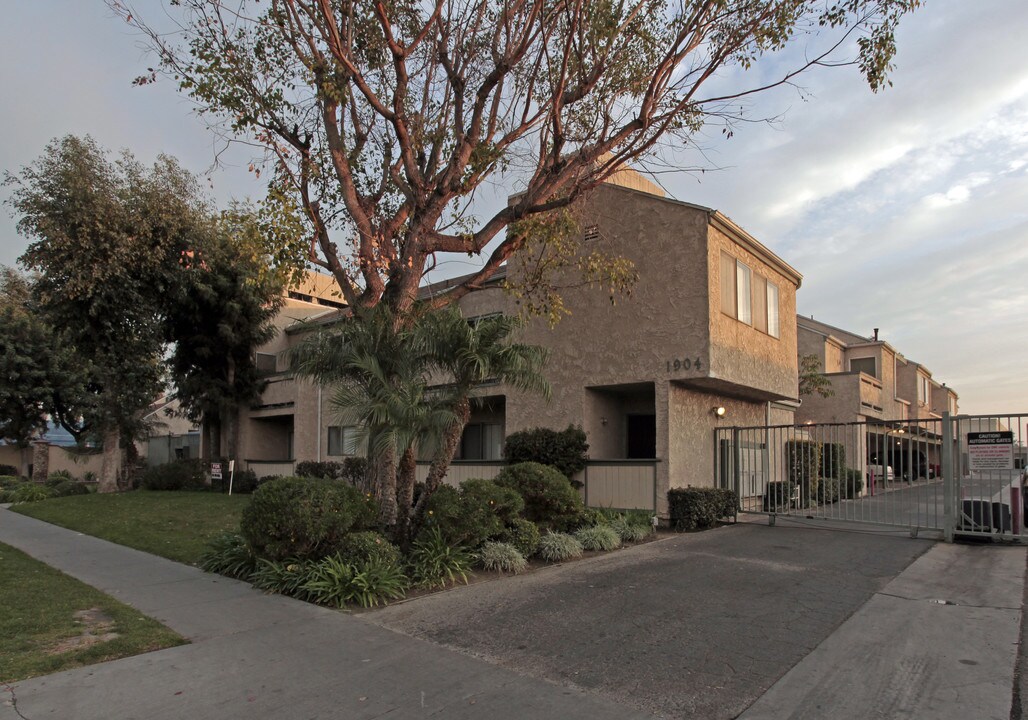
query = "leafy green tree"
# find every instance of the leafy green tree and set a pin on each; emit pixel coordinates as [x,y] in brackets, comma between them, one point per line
[812,380]
[382,121]
[37,378]
[223,307]
[108,237]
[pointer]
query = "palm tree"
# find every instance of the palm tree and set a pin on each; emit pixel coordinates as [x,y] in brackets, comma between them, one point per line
[379,379]
[410,385]
[469,354]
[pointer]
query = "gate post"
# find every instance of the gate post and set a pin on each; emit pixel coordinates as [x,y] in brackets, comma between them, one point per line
[736,463]
[948,480]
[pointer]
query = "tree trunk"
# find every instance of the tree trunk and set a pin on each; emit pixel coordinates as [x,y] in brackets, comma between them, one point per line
[405,474]
[111,461]
[40,460]
[441,462]
[130,466]
[385,469]
[213,450]
[231,423]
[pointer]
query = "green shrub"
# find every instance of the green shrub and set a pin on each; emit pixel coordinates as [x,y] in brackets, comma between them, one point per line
[700,508]
[559,547]
[433,562]
[593,517]
[828,491]
[68,488]
[30,492]
[304,518]
[803,465]
[629,530]
[178,475]
[57,477]
[8,471]
[89,476]
[778,495]
[522,534]
[501,557]
[229,554]
[328,470]
[333,581]
[833,460]
[550,500]
[359,547]
[853,485]
[564,449]
[8,481]
[286,577]
[600,537]
[480,510]
[355,471]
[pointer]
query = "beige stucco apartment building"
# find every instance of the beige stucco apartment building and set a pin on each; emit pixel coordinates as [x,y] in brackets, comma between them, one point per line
[710,324]
[872,383]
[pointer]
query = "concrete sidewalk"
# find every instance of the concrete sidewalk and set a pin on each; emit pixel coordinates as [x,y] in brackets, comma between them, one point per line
[940,640]
[262,656]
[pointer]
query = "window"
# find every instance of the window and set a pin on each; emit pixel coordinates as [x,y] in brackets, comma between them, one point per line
[749,297]
[482,441]
[342,440]
[744,312]
[924,390]
[266,362]
[865,365]
[760,303]
[773,326]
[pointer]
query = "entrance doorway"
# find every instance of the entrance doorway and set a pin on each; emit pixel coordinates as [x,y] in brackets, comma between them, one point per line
[641,437]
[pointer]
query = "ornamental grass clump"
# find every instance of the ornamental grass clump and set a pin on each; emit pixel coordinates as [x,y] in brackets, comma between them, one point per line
[229,554]
[559,547]
[433,562]
[600,537]
[628,530]
[502,557]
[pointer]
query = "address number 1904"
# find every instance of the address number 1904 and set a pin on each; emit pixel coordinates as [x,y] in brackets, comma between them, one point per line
[683,364]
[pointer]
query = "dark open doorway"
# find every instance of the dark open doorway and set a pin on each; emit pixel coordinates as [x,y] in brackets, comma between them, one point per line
[641,441]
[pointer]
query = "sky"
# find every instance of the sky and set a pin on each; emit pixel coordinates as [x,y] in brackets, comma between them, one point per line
[905,210]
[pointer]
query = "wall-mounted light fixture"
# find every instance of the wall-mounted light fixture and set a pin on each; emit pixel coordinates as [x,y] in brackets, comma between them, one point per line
[603,421]
[719,410]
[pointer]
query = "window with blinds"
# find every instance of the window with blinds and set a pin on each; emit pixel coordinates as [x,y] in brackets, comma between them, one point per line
[749,297]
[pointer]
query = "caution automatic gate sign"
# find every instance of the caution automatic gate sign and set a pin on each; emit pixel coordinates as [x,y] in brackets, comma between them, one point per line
[990,451]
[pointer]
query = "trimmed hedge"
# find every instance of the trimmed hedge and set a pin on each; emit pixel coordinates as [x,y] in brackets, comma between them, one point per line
[352,470]
[178,475]
[803,463]
[778,495]
[304,518]
[69,488]
[8,470]
[563,449]
[550,499]
[853,485]
[700,508]
[828,491]
[833,460]
[522,534]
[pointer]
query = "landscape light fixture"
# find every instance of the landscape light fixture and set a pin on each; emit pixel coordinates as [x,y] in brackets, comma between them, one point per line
[719,410]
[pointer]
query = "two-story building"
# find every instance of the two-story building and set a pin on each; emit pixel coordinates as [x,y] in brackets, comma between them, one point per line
[706,338]
[891,405]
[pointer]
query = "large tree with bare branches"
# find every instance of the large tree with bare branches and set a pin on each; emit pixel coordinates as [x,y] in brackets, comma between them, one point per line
[382,120]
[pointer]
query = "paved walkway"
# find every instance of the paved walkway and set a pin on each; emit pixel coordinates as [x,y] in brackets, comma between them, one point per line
[902,654]
[256,656]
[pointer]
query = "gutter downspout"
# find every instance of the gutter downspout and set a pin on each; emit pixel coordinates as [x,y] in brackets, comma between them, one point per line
[319,423]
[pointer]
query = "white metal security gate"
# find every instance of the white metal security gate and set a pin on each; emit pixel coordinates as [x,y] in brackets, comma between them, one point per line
[960,475]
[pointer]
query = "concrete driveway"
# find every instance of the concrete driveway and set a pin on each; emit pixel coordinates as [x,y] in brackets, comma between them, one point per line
[696,625]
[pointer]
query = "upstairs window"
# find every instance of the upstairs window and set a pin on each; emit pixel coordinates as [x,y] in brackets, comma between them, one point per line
[749,297]
[924,392]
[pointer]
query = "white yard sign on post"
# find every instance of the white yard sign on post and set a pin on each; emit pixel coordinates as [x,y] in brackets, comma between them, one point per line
[988,451]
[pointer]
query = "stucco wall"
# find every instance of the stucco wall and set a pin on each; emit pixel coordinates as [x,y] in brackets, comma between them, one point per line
[741,353]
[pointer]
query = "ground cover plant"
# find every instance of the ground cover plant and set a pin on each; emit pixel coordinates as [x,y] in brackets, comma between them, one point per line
[50,622]
[501,557]
[175,525]
[559,547]
[599,537]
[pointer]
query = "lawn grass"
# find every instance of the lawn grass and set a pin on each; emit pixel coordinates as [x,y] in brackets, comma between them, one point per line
[175,525]
[37,606]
